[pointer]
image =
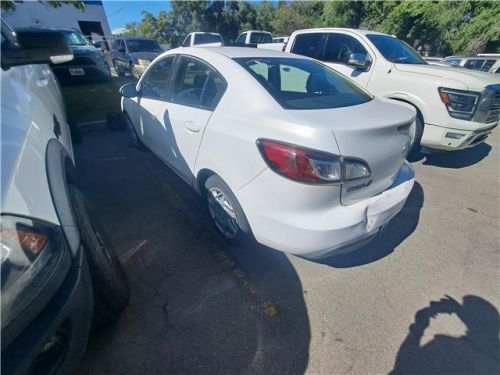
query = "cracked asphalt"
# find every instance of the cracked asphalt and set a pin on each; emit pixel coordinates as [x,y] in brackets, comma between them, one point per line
[422,298]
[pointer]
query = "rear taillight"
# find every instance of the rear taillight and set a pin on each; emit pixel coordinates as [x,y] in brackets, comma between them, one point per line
[310,166]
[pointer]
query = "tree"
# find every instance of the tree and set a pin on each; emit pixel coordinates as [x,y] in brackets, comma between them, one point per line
[9,5]
[296,15]
[343,14]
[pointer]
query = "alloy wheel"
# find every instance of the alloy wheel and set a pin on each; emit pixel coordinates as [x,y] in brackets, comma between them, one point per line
[222,213]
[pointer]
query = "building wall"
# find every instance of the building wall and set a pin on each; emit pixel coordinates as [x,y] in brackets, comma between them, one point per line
[36,14]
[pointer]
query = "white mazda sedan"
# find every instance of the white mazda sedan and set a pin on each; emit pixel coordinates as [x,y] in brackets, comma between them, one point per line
[285,149]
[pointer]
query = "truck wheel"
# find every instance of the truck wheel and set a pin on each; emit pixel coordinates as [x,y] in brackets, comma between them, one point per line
[226,212]
[118,70]
[109,282]
[419,131]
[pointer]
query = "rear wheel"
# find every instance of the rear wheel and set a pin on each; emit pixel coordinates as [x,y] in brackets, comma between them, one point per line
[118,70]
[225,211]
[109,281]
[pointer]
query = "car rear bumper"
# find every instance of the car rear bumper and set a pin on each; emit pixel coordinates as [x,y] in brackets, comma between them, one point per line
[67,316]
[449,139]
[324,230]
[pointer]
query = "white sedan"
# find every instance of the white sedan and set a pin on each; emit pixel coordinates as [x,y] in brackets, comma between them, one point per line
[284,149]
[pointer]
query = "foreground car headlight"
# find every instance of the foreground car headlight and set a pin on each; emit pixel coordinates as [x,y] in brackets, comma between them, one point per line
[143,62]
[460,104]
[30,251]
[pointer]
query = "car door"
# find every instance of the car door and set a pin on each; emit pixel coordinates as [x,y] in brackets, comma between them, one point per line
[196,90]
[336,53]
[154,128]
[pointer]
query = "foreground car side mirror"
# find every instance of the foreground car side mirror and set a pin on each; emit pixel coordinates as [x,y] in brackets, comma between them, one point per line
[129,91]
[357,60]
[36,46]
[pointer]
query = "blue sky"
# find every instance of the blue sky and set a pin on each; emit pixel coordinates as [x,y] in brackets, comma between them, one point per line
[122,12]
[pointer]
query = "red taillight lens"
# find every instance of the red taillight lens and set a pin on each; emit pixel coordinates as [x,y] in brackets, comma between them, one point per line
[301,164]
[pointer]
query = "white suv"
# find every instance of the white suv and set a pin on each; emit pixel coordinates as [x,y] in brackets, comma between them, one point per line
[456,108]
[57,275]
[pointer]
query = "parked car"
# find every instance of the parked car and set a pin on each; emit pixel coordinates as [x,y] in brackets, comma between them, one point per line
[202,38]
[281,39]
[57,274]
[282,147]
[456,108]
[133,55]
[88,64]
[484,63]
[254,37]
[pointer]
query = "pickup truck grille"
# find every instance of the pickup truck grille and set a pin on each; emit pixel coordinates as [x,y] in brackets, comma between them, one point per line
[494,110]
[78,61]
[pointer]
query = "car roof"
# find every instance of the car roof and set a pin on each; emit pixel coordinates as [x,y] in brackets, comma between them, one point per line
[235,52]
[134,37]
[331,29]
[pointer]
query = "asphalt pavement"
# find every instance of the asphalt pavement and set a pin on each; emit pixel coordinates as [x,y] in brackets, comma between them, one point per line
[423,298]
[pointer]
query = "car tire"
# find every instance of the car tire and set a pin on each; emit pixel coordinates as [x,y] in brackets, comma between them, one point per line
[226,212]
[419,131]
[133,71]
[132,133]
[109,281]
[118,70]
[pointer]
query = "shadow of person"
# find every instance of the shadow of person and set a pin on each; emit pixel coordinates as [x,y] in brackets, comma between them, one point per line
[456,159]
[475,353]
[400,228]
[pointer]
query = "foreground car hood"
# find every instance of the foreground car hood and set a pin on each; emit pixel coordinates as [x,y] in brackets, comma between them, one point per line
[144,55]
[475,81]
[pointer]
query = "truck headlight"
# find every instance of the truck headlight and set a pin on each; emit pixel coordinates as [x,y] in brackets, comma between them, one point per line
[30,251]
[460,104]
[143,62]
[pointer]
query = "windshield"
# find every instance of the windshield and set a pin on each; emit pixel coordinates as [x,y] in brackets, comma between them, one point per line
[207,38]
[303,84]
[257,37]
[143,45]
[395,50]
[74,38]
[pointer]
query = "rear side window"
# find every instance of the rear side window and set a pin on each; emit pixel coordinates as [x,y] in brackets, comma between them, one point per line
[479,64]
[155,84]
[303,83]
[310,45]
[260,38]
[198,85]
[339,46]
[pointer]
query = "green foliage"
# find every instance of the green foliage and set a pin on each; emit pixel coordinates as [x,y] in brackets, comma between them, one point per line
[8,5]
[439,27]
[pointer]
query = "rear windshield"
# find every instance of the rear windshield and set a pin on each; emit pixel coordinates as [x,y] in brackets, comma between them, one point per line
[207,38]
[260,38]
[303,84]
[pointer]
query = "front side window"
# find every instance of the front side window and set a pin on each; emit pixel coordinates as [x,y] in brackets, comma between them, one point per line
[479,64]
[156,82]
[257,37]
[241,39]
[303,84]
[207,38]
[143,45]
[198,85]
[74,38]
[310,45]
[187,41]
[340,46]
[394,50]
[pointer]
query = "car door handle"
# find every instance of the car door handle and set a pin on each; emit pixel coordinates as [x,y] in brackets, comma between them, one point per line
[192,127]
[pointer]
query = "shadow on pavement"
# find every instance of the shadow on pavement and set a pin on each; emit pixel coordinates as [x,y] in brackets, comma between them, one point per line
[400,227]
[475,353]
[197,306]
[455,159]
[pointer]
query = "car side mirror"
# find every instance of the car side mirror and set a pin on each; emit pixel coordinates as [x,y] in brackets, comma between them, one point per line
[36,46]
[357,60]
[129,91]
